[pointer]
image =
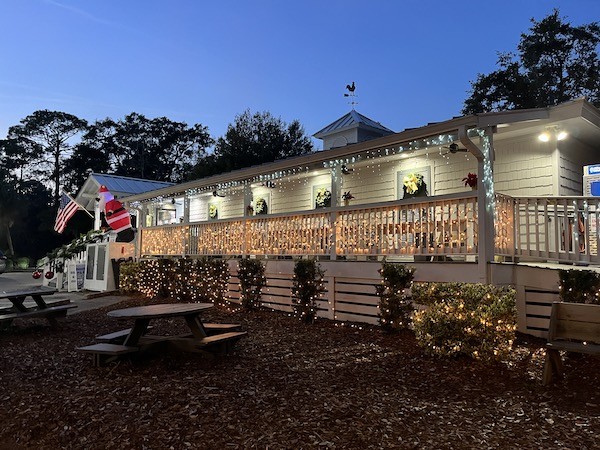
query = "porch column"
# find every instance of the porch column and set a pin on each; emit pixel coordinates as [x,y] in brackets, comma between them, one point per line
[485,198]
[97,221]
[336,182]
[485,206]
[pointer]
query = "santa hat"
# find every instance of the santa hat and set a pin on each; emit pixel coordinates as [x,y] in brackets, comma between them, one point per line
[105,197]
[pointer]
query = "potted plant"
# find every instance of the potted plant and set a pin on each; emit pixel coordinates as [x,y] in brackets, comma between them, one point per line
[347,197]
[471,180]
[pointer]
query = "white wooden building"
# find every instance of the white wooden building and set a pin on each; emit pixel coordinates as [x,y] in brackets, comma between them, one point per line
[521,222]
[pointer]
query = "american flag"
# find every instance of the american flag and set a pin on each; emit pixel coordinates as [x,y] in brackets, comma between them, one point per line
[66,209]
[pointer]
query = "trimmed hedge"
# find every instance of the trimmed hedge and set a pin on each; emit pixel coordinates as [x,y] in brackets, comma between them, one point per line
[199,280]
[475,320]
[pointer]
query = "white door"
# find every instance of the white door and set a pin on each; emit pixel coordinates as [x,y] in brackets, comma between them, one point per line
[96,268]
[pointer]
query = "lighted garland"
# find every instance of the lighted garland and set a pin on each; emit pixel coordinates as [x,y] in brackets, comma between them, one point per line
[307,288]
[74,247]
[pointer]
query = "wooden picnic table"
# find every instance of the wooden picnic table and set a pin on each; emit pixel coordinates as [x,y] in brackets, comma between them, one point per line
[18,310]
[202,336]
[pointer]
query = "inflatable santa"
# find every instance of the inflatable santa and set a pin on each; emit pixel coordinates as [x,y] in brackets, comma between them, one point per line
[116,216]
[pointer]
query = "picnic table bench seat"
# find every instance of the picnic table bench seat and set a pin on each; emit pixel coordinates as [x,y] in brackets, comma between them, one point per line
[49,313]
[221,343]
[118,337]
[105,352]
[574,327]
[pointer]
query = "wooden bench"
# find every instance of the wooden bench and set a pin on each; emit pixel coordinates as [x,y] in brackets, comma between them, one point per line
[103,352]
[50,314]
[574,327]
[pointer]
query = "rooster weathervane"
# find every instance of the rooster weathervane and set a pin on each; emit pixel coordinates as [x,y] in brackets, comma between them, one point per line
[350,93]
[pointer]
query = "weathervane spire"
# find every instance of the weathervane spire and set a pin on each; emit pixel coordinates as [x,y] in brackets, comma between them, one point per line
[350,93]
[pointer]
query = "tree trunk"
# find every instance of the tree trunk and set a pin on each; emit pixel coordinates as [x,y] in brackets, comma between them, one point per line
[9,239]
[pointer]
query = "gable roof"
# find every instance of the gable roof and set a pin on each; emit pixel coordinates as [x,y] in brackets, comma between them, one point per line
[117,186]
[353,119]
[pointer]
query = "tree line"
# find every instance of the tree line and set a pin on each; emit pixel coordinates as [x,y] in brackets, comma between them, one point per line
[49,150]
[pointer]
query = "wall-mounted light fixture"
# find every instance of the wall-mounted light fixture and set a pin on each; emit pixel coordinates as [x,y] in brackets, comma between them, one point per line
[216,194]
[550,132]
[346,170]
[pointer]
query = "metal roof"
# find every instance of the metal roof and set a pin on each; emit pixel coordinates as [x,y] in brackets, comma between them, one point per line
[126,185]
[352,119]
[117,186]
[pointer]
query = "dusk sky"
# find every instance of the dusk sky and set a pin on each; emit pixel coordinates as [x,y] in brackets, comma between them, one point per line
[207,61]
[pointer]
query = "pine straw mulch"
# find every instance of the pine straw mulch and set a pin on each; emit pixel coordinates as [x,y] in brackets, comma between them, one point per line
[286,386]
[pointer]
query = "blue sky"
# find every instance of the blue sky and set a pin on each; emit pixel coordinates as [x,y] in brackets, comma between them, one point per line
[207,61]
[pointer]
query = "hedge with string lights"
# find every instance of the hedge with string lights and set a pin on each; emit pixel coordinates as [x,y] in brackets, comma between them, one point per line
[395,306]
[579,286]
[476,320]
[251,273]
[307,288]
[188,280]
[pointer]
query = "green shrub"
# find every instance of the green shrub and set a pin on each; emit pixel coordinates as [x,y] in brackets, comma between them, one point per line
[307,288]
[190,280]
[475,320]
[129,277]
[251,273]
[22,263]
[395,306]
[579,286]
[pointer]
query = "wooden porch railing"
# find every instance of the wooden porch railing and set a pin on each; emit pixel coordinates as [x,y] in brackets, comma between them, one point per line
[562,229]
[445,225]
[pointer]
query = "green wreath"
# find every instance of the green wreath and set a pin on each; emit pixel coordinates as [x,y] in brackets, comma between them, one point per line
[213,213]
[261,206]
[323,199]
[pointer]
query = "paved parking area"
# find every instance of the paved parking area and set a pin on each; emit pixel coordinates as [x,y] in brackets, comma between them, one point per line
[21,280]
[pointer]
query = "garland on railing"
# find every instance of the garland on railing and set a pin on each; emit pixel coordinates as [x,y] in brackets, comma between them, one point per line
[73,248]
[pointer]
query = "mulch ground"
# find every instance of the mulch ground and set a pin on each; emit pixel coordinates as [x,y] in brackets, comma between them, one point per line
[286,386]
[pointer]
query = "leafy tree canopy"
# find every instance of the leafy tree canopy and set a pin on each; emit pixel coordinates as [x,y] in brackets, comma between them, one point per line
[556,62]
[39,146]
[155,149]
[255,139]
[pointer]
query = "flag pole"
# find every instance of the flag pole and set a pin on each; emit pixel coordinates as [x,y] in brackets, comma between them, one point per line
[73,200]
